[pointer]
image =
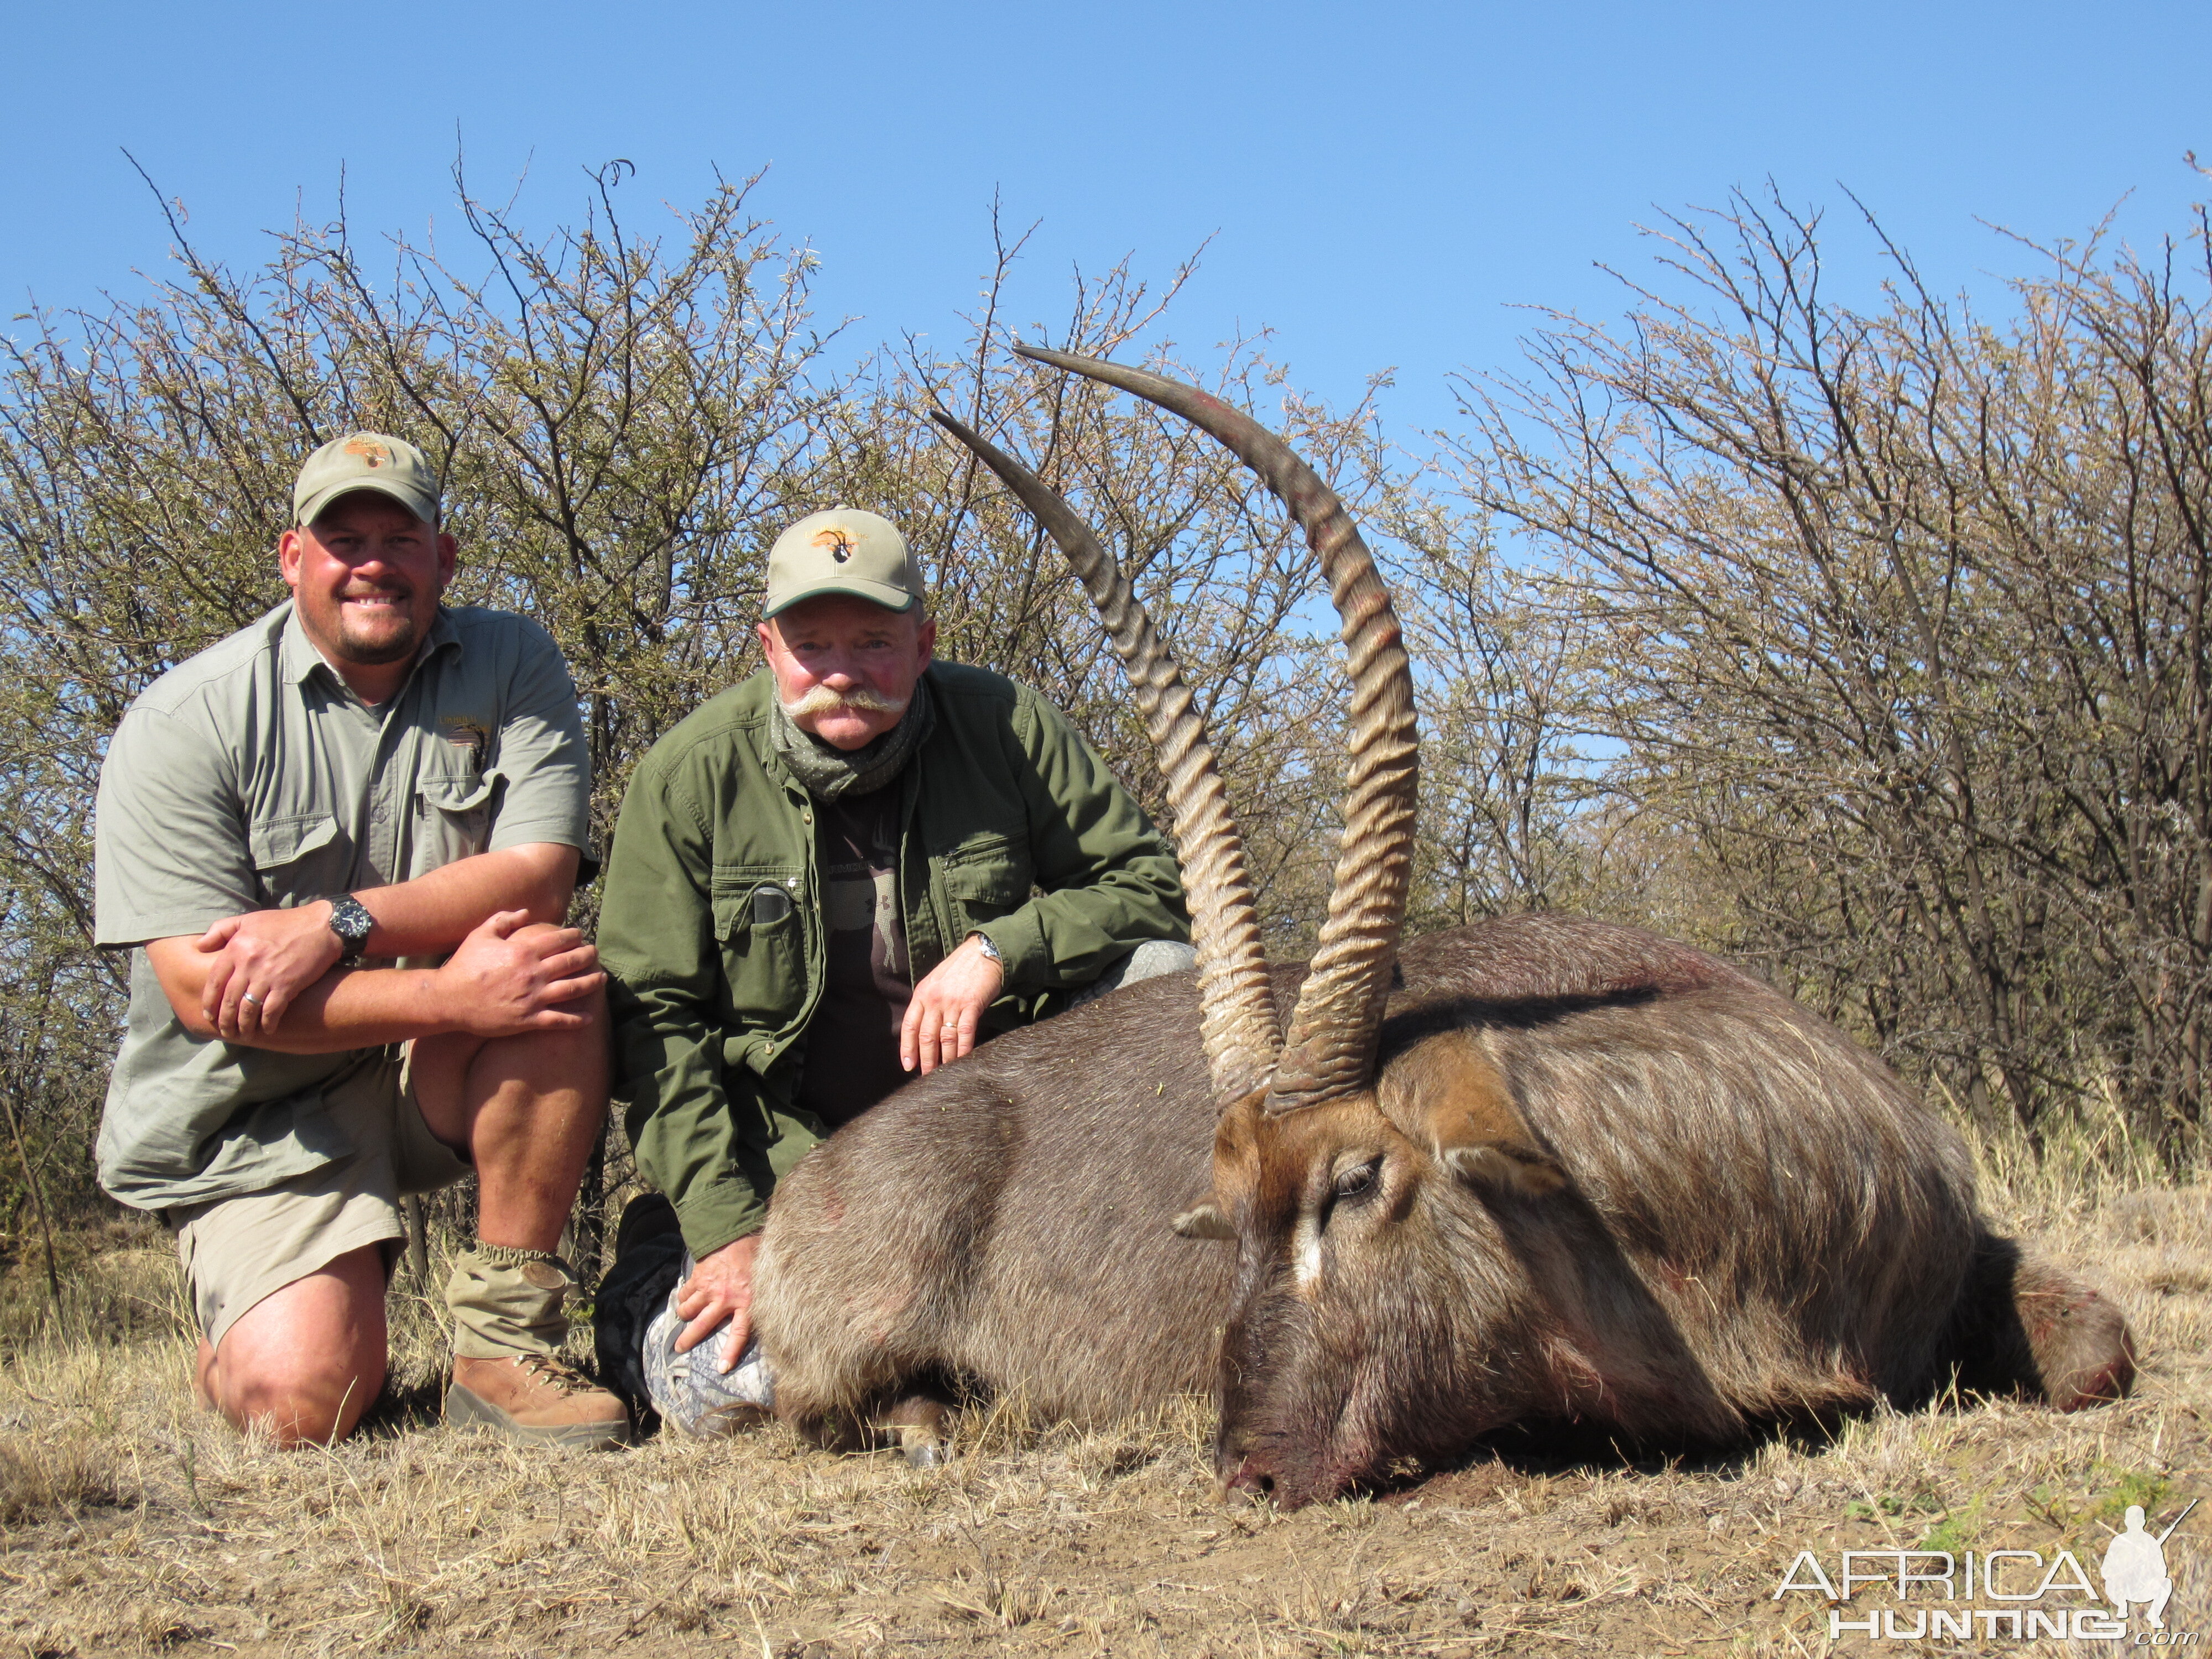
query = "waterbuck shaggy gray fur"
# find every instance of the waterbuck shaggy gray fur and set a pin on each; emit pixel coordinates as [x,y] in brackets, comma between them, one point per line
[1536,1167]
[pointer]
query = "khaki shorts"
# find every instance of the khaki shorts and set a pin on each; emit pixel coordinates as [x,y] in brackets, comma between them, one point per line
[236,1251]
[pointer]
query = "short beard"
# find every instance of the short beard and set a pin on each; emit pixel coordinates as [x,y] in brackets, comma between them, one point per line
[823,701]
[368,654]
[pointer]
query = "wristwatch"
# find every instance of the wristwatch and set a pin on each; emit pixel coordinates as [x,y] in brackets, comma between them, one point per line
[351,922]
[989,949]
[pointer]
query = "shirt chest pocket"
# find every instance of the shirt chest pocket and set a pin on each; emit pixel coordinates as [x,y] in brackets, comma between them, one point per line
[453,817]
[299,859]
[985,877]
[761,928]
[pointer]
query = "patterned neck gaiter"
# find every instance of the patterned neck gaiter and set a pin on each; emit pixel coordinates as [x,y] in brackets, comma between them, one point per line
[832,774]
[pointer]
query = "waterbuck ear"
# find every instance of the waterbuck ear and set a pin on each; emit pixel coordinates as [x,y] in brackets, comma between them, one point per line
[1203,1220]
[1448,1095]
[1517,1170]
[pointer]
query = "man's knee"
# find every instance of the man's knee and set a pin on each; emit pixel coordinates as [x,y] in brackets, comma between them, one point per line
[1150,960]
[535,1052]
[1157,957]
[306,1362]
[309,1402]
[533,1063]
[594,1032]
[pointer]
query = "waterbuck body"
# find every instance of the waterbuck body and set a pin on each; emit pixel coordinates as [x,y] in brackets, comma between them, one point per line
[1003,1224]
[1707,1207]
[1534,1168]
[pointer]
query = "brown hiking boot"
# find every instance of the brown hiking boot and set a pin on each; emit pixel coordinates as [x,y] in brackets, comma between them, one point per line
[536,1399]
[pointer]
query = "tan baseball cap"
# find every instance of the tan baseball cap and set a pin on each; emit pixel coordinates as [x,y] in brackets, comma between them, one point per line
[843,550]
[366,460]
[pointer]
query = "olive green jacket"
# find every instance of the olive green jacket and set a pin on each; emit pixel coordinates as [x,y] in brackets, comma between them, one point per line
[710,923]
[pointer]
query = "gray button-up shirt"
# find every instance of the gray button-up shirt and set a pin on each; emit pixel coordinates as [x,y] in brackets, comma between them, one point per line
[251,778]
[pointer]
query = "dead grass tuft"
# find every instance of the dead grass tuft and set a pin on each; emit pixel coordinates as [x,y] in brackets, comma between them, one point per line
[42,1482]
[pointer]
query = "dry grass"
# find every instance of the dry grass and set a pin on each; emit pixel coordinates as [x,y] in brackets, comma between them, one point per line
[130,1522]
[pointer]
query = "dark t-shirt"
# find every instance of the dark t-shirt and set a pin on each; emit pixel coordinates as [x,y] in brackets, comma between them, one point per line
[853,1041]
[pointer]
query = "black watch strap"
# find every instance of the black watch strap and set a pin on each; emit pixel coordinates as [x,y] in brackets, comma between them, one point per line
[351,922]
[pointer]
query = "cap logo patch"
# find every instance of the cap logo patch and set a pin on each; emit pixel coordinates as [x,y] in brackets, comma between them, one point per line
[371,453]
[837,543]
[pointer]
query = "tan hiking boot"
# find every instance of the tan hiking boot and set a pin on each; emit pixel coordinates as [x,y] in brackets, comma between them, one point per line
[536,1399]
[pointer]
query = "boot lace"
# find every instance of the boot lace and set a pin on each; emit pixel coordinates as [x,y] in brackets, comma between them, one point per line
[556,1373]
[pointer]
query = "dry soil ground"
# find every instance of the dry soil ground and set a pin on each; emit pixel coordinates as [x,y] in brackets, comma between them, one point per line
[129,1522]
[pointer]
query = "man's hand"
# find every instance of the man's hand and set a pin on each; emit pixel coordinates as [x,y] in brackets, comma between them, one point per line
[947,1006]
[513,975]
[720,1287]
[260,962]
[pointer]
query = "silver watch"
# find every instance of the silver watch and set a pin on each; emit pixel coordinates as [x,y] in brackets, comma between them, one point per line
[351,922]
[989,949]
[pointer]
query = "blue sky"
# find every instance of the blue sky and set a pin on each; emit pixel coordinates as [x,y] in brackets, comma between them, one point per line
[1384,184]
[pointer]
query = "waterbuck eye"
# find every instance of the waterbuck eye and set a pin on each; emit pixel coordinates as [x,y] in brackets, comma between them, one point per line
[1358,1179]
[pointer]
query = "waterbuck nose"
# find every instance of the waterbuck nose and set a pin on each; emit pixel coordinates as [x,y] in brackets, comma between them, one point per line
[1244,1481]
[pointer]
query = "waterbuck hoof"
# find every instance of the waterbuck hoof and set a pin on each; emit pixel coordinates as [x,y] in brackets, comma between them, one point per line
[925,1453]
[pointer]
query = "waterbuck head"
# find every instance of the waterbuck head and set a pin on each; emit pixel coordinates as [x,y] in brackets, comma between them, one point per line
[1341,1192]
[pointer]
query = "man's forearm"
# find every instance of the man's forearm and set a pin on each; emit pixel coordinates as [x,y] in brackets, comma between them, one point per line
[362,1008]
[432,913]
[508,975]
[347,1008]
[248,972]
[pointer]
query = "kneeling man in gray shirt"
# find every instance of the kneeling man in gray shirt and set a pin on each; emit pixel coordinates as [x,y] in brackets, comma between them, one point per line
[342,842]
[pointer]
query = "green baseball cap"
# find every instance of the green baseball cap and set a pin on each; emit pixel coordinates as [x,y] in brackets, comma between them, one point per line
[366,460]
[843,550]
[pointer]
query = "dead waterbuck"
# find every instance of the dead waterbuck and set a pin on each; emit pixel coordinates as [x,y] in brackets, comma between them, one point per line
[1534,1168]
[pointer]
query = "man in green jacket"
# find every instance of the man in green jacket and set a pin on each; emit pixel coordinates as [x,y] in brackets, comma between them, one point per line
[846,870]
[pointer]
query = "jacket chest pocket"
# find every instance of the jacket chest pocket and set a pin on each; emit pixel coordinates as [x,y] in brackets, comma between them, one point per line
[453,814]
[985,877]
[299,859]
[760,923]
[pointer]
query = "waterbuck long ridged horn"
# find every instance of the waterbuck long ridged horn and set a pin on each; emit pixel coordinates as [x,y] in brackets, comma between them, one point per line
[1236,1012]
[1330,1047]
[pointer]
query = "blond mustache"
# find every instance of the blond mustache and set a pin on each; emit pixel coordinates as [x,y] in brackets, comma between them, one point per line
[823,701]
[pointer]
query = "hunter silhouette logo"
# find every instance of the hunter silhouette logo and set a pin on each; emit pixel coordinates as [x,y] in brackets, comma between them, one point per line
[368,452]
[2134,1568]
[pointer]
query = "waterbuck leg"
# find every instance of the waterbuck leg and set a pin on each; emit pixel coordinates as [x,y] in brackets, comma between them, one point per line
[922,1424]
